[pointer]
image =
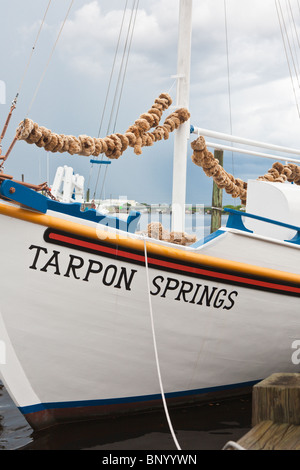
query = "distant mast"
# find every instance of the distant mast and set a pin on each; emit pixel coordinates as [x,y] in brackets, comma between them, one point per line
[182,134]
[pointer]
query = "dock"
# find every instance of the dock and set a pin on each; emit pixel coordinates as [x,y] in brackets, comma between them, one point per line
[275,415]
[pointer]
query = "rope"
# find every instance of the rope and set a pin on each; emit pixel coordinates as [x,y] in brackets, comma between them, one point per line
[106,99]
[35,187]
[228,80]
[278,6]
[117,87]
[126,63]
[112,71]
[233,445]
[121,92]
[290,13]
[229,444]
[172,86]
[14,103]
[120,72]
[156,353]
[50,57]
[278,173]
[202,157]
[113,146]
[32,50]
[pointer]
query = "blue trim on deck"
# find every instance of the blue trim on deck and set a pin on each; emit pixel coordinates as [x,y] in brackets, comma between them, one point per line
[23,195]
[74,209]
[235,221]
[144,398]
[207,239]
[31,199]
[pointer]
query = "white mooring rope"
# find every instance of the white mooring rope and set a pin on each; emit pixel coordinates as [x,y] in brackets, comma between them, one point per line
[233,445]
[230,444]
[156,354]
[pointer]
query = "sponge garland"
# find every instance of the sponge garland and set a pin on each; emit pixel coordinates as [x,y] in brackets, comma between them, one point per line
[137,136]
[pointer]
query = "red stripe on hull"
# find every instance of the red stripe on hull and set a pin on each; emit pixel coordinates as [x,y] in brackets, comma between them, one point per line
[171,265]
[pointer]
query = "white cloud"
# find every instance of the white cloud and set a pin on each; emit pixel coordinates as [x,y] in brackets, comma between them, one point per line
[262,100]
[91,36]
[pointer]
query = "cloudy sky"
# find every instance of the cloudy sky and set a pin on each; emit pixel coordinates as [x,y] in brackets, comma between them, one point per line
[72,95]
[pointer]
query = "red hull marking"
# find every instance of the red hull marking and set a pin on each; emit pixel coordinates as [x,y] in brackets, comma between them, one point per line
[168,264]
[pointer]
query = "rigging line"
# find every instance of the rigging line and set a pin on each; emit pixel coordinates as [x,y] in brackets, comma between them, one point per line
[116,93]
[108,90]
[288,41]
[228,73]
[126,64]
[155,351]
[228,79]
[295,28]
[122,86]
[90,174]
[172,86]
[104,179]
[97,180]
[50,57]
[32,50]
[121,67]
[112,71]
[298,14]
[291,77]
[291,19]
[114,100]
[14,103]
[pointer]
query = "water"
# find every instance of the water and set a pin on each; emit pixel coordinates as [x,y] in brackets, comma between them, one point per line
[199,427]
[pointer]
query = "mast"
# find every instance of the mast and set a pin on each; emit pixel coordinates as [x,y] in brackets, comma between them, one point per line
[182,134]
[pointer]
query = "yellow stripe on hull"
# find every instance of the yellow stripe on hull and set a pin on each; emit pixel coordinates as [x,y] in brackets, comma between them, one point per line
[152,248]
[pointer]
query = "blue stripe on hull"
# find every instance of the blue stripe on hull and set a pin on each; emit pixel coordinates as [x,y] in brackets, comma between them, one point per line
[130,400]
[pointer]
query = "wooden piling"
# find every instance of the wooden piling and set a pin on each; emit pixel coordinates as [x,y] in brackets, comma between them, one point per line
[217,197]
[275,414]
[277,399]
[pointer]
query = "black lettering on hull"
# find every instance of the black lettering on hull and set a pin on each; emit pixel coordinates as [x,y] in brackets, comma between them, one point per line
[77,268]
[193,293]
[111,275]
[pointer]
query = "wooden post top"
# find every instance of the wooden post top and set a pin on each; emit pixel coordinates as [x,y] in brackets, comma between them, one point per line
[280,380]
[277,398]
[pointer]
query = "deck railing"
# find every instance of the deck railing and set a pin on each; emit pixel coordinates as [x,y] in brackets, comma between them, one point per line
[249,142]
[235,221]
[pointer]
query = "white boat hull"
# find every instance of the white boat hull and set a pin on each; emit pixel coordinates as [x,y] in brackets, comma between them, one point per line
[75,318]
